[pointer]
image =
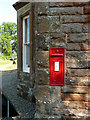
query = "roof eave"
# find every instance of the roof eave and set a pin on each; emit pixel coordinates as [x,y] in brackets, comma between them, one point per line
[19,5]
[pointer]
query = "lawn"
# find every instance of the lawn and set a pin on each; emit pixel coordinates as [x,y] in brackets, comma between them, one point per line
[7,65]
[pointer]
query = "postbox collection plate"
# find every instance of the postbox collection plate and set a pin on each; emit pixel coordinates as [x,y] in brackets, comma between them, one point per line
[57,66]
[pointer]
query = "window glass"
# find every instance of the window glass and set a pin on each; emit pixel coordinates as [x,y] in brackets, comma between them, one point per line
[26,44]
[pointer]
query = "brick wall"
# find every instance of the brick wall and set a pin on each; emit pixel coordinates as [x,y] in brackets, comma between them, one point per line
[59,25]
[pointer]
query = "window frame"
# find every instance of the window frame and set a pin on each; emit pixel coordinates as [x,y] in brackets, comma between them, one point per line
[25,67]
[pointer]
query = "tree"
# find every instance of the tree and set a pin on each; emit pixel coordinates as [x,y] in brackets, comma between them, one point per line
[8,38]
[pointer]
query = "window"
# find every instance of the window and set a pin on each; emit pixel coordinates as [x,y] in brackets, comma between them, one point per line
[26,44]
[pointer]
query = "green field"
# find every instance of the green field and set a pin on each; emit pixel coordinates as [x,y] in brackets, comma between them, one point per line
[7,65]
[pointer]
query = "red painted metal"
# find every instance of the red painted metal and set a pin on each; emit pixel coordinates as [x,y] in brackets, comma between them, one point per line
[57,74]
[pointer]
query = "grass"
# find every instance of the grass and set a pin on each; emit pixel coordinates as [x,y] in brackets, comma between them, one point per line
[4,62]
[11,67]
[7,65]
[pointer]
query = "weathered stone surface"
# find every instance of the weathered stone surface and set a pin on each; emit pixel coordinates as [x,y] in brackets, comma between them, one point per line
[42,41]
[42,93]
[75,104]
[77,55]
[85,47]
[58,45]
[79,81]
[85,28]
[61,4]
[57,37]
[55,93]
[86,9]
[79,113]
[43,24]
[54,25]
[72,28]
[42,77]
[79,37]
[80,72]
[73,47]
[73,97]
[43,8]
[58,25]
[74,89]
[75,63]
[87,96]
[74,18]
[57,40]
[66,11]
[48,24]
[67,4]
[43,59]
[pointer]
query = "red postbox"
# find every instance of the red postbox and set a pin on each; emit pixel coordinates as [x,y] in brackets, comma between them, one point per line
[57,66]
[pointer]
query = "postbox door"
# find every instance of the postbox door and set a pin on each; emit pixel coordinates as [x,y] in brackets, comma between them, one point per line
[57,66]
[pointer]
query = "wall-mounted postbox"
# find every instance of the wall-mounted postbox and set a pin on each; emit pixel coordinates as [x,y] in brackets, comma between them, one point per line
[57,66]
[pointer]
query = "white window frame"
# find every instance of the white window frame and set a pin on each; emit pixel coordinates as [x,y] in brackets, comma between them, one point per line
[25,67]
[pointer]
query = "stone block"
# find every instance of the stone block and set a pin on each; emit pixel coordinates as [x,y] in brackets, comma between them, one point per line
[57,40]
[54,24]
[60,4]
[43,24]
[42,41]
[67,4]
[85,46]
[42,77]
[48,24]
[66,11]
[85,28]
[73,47]
[74,18]
[79,113]
[42,93]
[57,37]
[55,93]
[75,89]
[43,8]
[79,37]
[77,55]
[87,9]
[43,59]
[87,96]
[79,81]
[74,104]
[73,97]
[72,28]
[79,72]
[75,63]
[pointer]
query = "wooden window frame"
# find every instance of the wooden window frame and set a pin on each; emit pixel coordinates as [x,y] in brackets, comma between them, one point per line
[26,68]
[21,14]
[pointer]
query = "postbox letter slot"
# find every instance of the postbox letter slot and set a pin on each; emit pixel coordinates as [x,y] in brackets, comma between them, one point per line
[56,55]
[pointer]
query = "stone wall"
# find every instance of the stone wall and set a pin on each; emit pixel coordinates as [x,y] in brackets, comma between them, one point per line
[58,25]
[62,25]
